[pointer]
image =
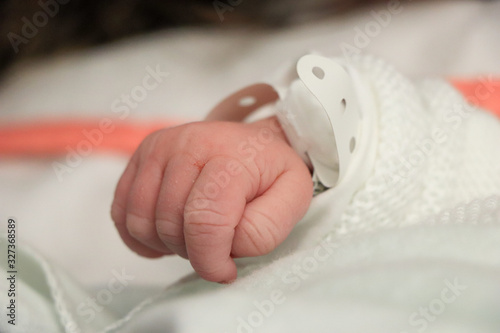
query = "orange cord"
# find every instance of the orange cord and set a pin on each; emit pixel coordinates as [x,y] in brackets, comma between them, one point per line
[59,137]
[55,138]
[484,93]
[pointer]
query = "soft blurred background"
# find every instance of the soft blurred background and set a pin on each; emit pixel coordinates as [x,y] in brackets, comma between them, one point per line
[82,57]
[79,24]
[104,47]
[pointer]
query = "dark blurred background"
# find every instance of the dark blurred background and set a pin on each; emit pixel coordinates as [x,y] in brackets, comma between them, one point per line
[43,27]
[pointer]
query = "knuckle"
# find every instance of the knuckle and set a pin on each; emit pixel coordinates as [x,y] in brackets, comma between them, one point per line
[153,146]
[201,134]
[204,221]
[201,229]
[150,140]
[151,158]
[189,133]
[168,231]
[193,129]
[139,228]
[200,202]
[206,214]
[185,140]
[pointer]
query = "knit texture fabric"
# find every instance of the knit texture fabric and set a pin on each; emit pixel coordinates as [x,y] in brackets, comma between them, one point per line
[434,152]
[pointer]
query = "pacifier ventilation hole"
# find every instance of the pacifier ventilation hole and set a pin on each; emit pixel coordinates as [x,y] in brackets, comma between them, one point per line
[247,101]
[343,105]
[318,72]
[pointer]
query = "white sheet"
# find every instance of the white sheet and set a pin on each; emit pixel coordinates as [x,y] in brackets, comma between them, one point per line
[69,222]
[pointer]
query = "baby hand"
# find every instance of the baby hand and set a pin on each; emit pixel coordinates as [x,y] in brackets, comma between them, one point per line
[211,191]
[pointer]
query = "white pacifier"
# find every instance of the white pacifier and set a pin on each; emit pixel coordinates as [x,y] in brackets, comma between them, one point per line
[319,108]
[320,116]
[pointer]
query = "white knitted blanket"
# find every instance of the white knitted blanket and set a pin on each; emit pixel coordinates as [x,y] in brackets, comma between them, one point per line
[416,249]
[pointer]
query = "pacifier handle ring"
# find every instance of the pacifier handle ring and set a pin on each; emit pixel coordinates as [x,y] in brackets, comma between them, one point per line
[237,106]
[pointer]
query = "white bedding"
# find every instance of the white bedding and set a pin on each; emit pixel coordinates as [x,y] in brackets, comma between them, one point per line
[68,222]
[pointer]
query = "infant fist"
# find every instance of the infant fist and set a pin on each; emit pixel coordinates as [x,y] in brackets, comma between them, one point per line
[211,191]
